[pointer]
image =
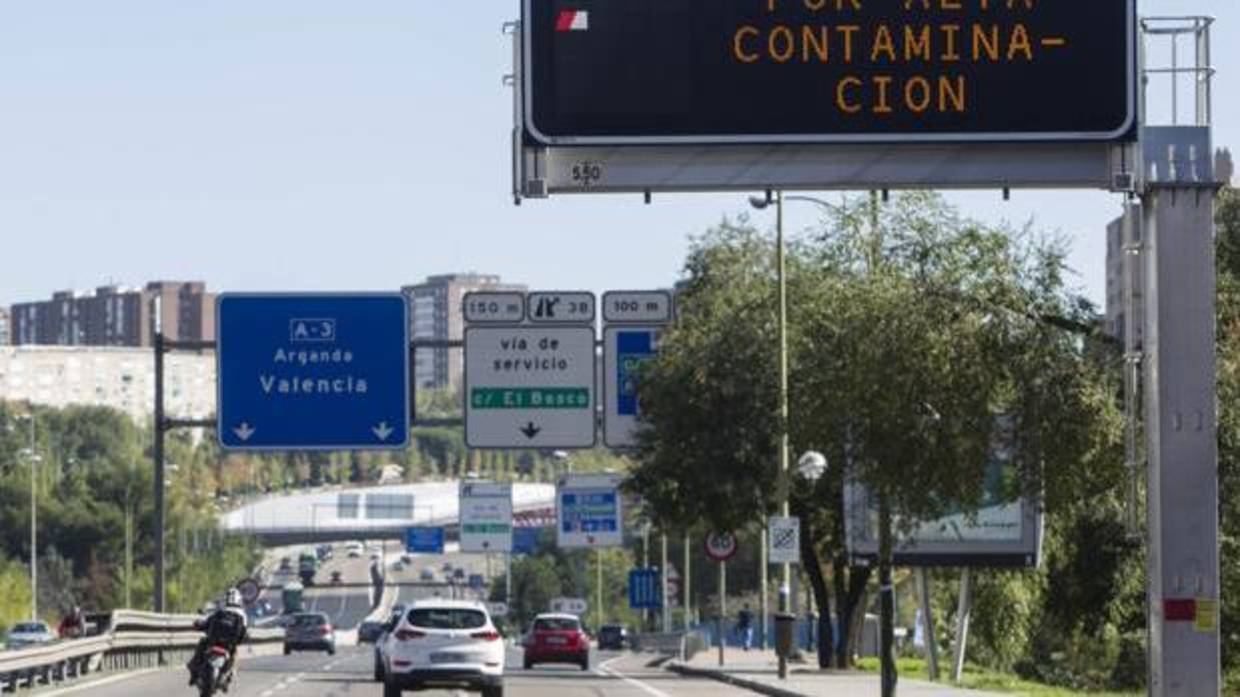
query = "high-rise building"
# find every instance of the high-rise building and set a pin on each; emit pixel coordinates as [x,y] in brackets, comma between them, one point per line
[1125,276]
[4,326]
[435,312]
[115,316]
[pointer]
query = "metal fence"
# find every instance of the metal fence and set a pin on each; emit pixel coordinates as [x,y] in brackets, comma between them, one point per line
[126,640]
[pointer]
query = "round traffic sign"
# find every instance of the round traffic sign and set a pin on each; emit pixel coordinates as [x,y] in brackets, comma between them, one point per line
[721,546]
[250,590]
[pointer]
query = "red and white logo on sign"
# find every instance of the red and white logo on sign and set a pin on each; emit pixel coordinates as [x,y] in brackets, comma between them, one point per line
[572,20]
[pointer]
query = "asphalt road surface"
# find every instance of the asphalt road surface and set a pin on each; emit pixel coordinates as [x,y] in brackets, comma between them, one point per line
[349,674]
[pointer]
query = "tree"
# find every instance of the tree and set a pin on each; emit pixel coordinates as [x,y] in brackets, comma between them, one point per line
[920,342]
[1228,310]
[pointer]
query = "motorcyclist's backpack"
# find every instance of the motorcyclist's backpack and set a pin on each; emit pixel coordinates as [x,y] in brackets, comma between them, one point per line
[226,628]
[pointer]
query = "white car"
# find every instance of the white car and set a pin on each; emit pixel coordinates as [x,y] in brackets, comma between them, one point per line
[30,633]
[450,644]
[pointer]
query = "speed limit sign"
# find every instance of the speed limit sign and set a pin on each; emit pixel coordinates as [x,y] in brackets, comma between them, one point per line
[721,546]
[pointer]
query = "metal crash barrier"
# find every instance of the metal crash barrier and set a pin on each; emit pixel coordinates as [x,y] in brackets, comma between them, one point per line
[126,640]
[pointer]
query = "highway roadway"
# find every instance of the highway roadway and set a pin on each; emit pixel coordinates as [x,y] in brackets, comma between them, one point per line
[350,674]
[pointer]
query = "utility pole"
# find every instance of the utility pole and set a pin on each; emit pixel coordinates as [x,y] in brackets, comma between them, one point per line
[158,452]
[686,589]
[34,524]
[598,590]
[785,585]
[664,578]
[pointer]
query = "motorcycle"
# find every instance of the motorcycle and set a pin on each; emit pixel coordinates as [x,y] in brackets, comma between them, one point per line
[212,675]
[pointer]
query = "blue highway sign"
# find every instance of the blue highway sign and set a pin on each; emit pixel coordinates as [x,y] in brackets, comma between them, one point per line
[313,372]
[644,590]
[589,512]
[525,540]
[424,540]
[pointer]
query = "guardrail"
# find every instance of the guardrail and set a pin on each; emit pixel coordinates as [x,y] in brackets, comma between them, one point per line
[682,645]
[127,640]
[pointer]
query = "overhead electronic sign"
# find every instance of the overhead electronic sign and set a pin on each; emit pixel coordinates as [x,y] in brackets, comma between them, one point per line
[650,72]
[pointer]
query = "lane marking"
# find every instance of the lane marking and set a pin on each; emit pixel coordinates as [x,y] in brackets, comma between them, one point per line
[100,683]
[606,670]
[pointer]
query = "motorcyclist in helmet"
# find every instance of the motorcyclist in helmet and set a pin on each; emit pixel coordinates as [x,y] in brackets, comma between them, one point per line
[225,627]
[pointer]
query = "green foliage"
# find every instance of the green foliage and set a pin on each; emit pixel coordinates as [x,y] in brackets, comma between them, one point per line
[14,594]
[918,341]
[1228,236]
[979,678]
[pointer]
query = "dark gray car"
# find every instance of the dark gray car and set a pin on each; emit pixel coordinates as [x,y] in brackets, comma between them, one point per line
[310,631]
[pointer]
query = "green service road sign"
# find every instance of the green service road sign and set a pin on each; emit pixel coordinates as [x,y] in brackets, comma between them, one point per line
[531,398]
[834,71]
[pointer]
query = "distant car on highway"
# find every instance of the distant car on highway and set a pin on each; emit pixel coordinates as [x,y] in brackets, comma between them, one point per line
[336,577]
[458,574]
[557,638]
[398,566]
[286,565]
[613,637]
[448,644]
[26,634]
[407,558]
[426,575]
[369,632]
[310,631]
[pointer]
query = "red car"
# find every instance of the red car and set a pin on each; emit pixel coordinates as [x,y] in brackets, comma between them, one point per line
[557,639]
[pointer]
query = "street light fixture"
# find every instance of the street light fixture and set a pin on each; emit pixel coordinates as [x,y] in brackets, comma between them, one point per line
[812,466]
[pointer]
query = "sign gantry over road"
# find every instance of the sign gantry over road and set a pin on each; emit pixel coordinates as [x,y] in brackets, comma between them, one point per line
[313,372]
[649,72]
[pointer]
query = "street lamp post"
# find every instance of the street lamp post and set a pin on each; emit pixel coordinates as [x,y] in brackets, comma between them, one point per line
[34,519]
[785,586]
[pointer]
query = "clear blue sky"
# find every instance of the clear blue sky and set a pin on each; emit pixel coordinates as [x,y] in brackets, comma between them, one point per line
[321,144]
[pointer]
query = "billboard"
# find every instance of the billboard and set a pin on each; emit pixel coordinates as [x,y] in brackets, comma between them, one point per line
[601,72]
[1005,531]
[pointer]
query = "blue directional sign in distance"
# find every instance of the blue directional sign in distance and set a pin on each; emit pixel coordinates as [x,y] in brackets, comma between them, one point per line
[644,590]
[313,372]
[525,540]
[424,540]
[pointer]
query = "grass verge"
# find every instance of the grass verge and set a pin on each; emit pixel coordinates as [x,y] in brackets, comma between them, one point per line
[976,678]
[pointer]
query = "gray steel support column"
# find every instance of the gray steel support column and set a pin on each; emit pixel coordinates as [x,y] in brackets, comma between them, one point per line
[927,622]
[1182,441]
[158,457]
